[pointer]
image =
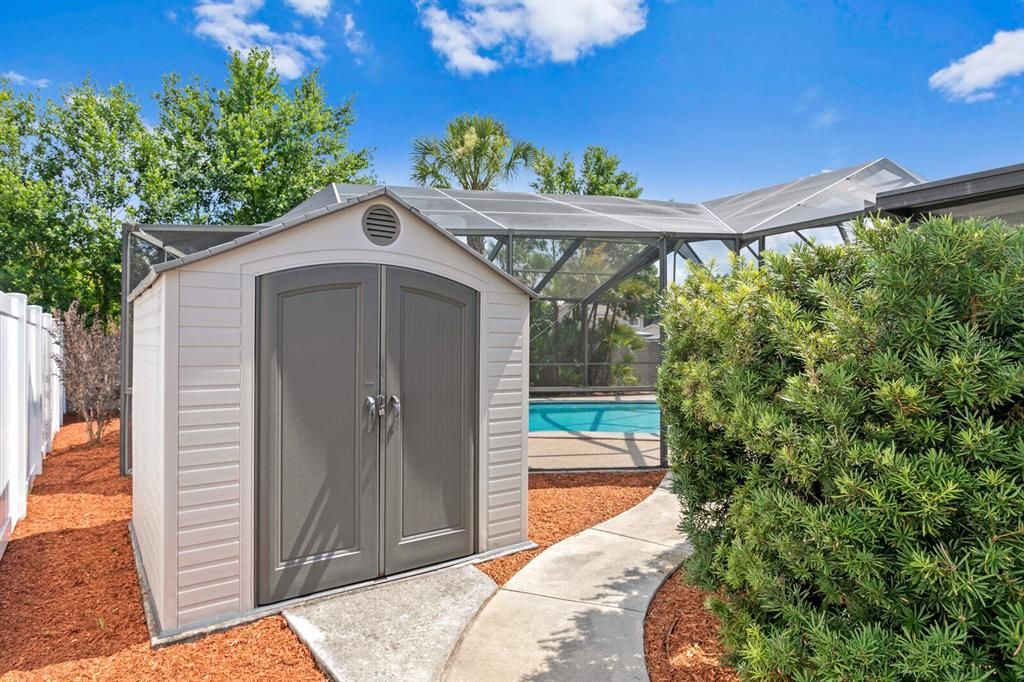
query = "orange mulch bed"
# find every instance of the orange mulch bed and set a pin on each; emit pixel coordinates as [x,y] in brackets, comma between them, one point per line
[70,606]
[681,636]
[564,504]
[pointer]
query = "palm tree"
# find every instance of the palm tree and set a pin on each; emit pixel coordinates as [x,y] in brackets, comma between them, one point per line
[475,153]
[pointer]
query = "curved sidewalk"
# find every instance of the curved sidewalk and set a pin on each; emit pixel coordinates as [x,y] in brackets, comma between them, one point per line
[576,612]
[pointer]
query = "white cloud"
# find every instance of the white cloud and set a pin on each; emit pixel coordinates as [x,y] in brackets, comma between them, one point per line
[314,9]
[230,23]
[972,78]
[486,34]
[355,40]
[21,79]
[825,118]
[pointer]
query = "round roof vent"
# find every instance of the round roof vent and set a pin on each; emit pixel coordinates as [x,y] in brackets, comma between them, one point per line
[380,225]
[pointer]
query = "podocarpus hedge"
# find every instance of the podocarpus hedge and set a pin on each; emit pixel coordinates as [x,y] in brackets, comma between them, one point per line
[847,430]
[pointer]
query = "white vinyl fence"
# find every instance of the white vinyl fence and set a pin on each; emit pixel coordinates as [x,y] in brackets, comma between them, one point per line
[31,403]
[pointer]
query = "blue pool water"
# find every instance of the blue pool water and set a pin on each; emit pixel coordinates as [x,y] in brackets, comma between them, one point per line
[623,417]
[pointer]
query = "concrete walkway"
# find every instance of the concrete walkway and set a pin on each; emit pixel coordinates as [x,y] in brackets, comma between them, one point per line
[401,630]
[576,612]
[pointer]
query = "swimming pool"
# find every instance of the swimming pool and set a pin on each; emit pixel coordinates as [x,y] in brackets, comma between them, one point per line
[617,417]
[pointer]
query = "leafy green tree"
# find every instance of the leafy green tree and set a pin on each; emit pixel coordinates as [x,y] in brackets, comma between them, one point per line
[847,436]
[74,171]
[33,259]
[180,159]
[599,175]
[68,180]
[476,152]
[248,152]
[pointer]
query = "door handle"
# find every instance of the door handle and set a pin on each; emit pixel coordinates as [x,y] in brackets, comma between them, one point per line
[396,405]
[371,408]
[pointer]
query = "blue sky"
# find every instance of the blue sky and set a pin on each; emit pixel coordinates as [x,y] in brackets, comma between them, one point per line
[699,99]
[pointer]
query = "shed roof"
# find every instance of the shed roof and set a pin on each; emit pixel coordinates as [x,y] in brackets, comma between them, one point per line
[292,219]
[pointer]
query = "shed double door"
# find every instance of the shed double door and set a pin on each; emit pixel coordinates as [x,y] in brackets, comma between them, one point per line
[367,411]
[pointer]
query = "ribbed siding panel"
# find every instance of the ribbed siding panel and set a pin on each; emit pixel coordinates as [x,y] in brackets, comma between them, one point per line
[209,428]
[150,461]
[506,382]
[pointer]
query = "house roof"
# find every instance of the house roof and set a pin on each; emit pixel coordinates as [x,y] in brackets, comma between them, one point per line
[292,219]
[961,189]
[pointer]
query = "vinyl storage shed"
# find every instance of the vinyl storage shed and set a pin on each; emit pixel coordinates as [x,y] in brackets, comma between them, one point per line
[327,401]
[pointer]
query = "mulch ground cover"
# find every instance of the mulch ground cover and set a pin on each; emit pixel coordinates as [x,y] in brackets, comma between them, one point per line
[70,606]
[681,636]
[564,504]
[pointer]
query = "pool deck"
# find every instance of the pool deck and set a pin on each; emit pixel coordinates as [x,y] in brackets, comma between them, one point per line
[594,451]
[554,450]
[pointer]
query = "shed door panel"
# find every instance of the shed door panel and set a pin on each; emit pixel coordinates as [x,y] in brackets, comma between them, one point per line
[318,445]
[430,445]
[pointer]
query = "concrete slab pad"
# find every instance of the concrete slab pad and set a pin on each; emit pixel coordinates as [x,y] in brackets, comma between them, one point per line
[600,568]
[530,637]
[608,452]
[403,630]
[654,520]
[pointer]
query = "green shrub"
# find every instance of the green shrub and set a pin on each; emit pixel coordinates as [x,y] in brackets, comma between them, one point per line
[847,434]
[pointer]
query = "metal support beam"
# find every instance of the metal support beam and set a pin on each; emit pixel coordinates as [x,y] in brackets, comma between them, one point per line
[124,458]
[686,251]
[508,255]
[803,238]
[662,286]
[843,233]
[562,260]
[585,309]
[634,265]
[495,250]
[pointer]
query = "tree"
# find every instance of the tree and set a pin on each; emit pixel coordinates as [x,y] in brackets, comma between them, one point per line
[30,252]
[847,436]
[88,151]
[68,180]
[475,153]
[89,363]
[599,175]
[248,152]
[74,171]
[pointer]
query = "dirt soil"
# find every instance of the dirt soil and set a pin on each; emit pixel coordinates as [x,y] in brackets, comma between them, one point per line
[564,504]
[681,636]
[70,606]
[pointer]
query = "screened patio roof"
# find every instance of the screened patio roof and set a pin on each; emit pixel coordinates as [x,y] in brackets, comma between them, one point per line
[816,200]
[580,246]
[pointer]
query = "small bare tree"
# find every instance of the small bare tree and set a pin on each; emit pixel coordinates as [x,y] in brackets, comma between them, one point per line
[89,368]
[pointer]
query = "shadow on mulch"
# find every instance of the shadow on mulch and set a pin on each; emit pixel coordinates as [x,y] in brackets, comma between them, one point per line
[70,606]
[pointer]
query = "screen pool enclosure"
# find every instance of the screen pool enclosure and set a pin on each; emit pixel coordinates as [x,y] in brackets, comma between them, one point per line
[596,263]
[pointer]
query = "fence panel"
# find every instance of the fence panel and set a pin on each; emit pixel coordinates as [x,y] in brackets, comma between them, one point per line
[31,403]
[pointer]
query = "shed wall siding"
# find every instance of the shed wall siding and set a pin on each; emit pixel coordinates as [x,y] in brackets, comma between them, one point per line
[507,390]
[209,406]
[148,387]
[213,541]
